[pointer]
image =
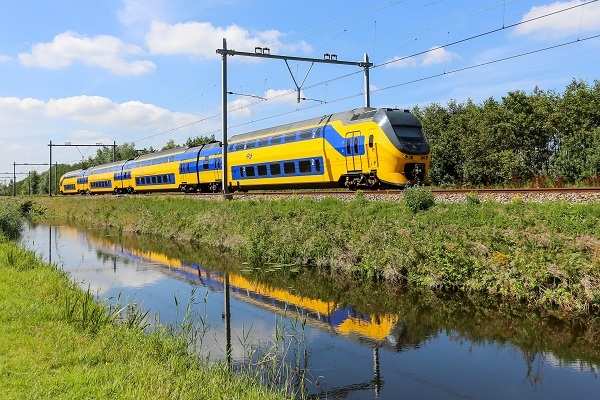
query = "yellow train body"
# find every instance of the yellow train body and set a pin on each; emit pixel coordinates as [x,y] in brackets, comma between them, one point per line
[68,182]
[362,148]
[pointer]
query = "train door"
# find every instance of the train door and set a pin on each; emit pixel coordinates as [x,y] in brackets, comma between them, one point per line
[355,150]
[372,150]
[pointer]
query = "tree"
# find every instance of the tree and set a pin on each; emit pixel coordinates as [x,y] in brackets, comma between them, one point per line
[170,145]
[198,140]
[574,143]
[35,182]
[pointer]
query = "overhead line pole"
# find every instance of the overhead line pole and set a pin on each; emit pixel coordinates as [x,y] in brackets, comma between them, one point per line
[264,52]
[25,173]
[69,144]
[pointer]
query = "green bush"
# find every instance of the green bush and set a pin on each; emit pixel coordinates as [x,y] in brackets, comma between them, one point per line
[418,198]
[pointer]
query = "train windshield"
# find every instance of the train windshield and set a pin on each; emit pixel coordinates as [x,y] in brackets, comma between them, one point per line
[405,132]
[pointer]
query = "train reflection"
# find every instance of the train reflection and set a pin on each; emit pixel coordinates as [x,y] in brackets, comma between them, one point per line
[377,331]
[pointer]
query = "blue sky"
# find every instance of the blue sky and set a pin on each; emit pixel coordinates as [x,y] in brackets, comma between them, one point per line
[146,71]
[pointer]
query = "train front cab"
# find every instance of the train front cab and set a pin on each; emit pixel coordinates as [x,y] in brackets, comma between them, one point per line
[403,151]
[381,148]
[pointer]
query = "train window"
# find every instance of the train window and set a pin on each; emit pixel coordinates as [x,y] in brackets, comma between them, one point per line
[251,144]
[171,159]
[306,134]
[304,167]
[317,164]
[261,170]
[205,164]
[276,140]
[263,142]
[153,179]
[371,140]
[356,146]
[275,169]
[317,132]
[348,148]
[250,172]
[289,137]
[289,168]
[404,132]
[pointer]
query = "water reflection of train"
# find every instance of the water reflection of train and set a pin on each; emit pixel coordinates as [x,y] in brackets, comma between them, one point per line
[380,331]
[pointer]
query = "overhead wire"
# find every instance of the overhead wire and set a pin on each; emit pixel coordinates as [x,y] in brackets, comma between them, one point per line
[325,82]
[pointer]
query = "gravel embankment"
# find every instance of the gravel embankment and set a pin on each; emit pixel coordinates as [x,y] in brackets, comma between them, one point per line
[536,197]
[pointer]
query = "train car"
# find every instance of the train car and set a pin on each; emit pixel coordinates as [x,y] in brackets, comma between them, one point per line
[101,178]
[371,148]
[155,172]
[366,147]
[68,182]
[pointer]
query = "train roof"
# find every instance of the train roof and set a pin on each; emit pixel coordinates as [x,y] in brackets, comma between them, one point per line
[346,117]
[162,153]
[70,174]
[109,165]
[210,145]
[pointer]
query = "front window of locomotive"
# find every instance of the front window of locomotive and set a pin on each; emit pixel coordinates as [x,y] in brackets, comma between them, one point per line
[412,139]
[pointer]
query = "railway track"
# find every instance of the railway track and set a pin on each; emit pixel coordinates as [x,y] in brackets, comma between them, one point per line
[571,195]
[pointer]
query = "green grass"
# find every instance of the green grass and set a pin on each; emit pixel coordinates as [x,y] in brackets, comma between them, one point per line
[10,221]
[542,255]
[57,343]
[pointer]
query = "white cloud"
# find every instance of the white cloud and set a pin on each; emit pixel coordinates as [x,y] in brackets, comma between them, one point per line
[32,123]
[584,19]
[438,55]
[103,51]
[400,62]
[141,11]
[4,58]
[283,96]
[242,106]
[81,115]
[435,55]
[203,39]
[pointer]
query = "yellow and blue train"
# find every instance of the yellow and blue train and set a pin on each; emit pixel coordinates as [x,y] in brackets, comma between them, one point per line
[370,148]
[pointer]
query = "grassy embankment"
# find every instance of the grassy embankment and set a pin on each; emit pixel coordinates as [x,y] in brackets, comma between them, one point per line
[57,342]
[542,255]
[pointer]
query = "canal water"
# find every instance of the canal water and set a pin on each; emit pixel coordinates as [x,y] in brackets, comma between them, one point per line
[350,342]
